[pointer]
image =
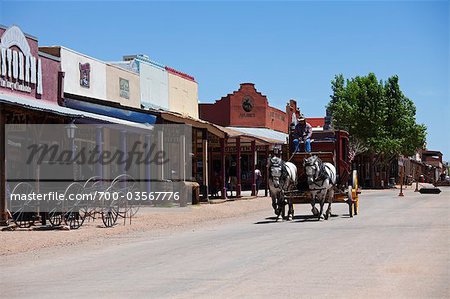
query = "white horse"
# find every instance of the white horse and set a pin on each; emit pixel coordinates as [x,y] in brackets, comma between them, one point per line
[282,178]
[321,180]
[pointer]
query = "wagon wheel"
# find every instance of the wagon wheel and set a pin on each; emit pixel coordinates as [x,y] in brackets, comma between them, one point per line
[55,217]
[92,185]
[73,218]
[355,187]
[92,181]
[20,211]
[109,216]
[23,219]
[350,201]
[125,184]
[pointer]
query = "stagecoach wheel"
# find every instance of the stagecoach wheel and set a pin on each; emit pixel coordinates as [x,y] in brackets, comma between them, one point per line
[73,219]
[355,186]
[109,216]
[355,179]
[350,201]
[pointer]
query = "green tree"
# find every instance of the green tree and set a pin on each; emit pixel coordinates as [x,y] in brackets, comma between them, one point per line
[380,119]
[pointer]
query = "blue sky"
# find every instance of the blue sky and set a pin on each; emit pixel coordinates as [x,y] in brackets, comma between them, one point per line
[288,49]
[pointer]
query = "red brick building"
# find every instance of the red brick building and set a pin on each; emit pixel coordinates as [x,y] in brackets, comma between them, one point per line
[246,107]
[249,108]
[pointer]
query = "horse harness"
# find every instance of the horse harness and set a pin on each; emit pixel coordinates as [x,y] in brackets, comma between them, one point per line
[322,176]
[282,165]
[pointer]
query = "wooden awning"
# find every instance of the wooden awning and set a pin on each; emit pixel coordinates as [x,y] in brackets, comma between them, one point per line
[196,123]
[219,131]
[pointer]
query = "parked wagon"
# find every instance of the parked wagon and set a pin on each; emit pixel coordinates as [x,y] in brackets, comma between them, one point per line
[95,197]
[22,212]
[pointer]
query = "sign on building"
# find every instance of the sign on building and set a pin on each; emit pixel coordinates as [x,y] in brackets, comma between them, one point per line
[19,69]
[124,86]
[85,74]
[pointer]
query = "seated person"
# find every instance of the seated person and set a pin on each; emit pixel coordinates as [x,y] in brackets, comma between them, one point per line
[302,132]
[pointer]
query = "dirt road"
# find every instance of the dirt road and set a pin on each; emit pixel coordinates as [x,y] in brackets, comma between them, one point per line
[396,247]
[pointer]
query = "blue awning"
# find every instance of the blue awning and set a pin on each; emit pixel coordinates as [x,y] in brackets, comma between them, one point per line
[134,116]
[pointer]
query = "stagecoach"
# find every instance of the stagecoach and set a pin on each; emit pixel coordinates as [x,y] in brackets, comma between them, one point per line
[330,146]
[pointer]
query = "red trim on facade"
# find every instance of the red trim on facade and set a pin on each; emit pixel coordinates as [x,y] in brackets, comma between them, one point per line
[180,74]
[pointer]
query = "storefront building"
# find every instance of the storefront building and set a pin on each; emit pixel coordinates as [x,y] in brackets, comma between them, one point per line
[245,107]
[183,93]
[30,91]
[163,87]
[246,111]
[153,79]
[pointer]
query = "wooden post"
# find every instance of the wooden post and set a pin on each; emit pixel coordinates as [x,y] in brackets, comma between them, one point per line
[123,148]
[182,154]
[148,167]
[417,181]
[3,214]
[205,162]
[401,182]
[238,171]
[266,191]
[210,168]
[99,143]
[222,159]
[161,149]
[253,167]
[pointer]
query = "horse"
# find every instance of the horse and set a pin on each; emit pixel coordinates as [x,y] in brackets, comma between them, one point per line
[282,178]
[321,178]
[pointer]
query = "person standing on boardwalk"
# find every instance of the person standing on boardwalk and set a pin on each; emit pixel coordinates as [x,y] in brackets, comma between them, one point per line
[232,178]
[258,177]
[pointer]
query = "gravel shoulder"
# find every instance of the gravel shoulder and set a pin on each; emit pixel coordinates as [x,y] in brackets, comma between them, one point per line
[148,220]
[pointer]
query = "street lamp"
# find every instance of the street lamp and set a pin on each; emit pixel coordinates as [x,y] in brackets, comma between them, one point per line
[70,130]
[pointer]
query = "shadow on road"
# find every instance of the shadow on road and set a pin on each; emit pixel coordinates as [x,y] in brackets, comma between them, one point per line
[305,218]
[269,220]
[299,218]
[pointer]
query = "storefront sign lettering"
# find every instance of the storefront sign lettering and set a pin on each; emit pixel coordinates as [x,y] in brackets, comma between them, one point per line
[124,88]
[85,75]
[244,148]
[19,69]
[247,115]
